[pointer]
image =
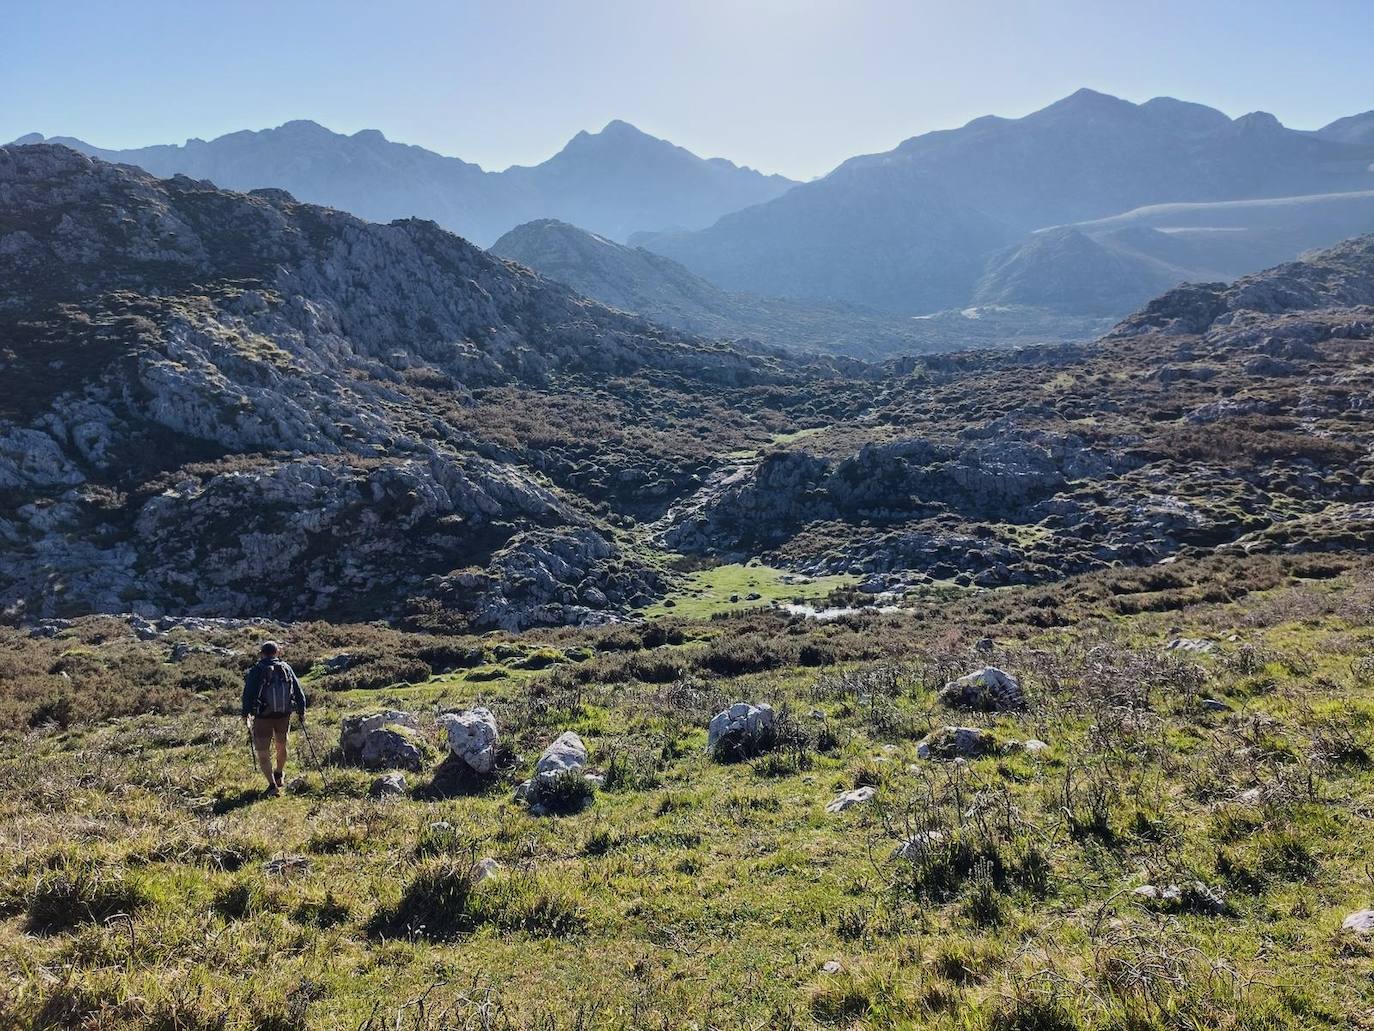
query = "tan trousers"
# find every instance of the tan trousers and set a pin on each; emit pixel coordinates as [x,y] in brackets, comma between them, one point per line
[266,730]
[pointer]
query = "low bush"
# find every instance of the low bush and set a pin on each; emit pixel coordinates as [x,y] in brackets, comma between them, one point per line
[79,892]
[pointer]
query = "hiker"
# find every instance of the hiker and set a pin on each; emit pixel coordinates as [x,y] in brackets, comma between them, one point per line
[270,693]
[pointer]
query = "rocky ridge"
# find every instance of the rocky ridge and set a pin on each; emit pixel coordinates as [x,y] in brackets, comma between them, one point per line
[230,404]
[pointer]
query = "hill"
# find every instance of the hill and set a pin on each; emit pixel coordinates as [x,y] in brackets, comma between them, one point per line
[615,181]
[987,691]
[637,280]
[215,397]
[326,417]
[909,230]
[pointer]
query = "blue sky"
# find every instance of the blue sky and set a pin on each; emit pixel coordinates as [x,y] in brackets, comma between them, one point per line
[793,86]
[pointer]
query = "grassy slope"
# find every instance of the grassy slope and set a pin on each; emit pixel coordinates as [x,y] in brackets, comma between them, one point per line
[708,895]
[706,592]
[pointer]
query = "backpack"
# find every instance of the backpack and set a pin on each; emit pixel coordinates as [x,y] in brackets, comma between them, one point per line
[274,693]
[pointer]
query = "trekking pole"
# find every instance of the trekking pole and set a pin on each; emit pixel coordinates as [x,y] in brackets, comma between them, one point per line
[310,747]
[252,752]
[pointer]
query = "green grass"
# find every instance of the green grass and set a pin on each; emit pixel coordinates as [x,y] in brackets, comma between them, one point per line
[690,892]
[706,592]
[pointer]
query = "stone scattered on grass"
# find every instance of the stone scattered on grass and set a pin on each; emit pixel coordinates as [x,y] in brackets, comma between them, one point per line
[918,844]
[1034,746]
[381,740]
[1190,897]
[1190,644]
[1359,923]
[989,689]
[558,784]
[472,737]
[946,743]
[388,785]
[850,799]
[484,868]
[742,729]
[283,865]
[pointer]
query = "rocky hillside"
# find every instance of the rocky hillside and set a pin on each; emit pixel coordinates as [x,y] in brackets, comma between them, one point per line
[226,403]
[909,230]
[634,279]
[615,181]
[1220,418]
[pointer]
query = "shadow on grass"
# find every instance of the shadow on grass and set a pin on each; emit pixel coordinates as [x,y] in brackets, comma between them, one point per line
[228,801]
[453,778]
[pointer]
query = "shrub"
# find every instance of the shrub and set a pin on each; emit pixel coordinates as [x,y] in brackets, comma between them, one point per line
[441,902]
[379,673]
[566,793]
[732,656]
[79,892]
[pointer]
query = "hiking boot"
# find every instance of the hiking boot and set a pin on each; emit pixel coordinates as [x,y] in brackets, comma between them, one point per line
[273,791]
[279,779]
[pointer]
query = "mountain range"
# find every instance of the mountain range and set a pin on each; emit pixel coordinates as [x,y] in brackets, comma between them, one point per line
[636,280]
[912,229]
[613,182]
[1045,224]
[229,404]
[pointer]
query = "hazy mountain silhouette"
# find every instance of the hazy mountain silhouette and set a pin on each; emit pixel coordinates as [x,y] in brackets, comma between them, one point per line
[633,279]
[615,181]
[909,230]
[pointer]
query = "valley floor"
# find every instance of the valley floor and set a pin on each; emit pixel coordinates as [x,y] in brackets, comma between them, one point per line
[144,881]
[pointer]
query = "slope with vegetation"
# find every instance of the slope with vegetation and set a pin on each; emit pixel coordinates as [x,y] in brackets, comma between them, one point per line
[635,280]
[1179,848]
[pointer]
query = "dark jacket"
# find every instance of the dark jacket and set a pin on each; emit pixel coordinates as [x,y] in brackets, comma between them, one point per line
[252,685]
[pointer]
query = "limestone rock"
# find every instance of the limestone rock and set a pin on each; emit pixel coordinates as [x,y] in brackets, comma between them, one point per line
[918,844]
[472,737]
[945,743]
[849,799]
[988,689]
[567,753]
[1359,923]
[388,785]
[740,729]
[484,868]
[381,740]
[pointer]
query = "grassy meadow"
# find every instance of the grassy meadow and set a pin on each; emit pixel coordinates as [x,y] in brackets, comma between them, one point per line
[146,882]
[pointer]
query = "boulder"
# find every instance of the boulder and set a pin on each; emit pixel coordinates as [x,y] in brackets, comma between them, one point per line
[1034,746]
[388,785]
[472,737]
[850,799]
[740,729]
[918,844]
[392,749]
[567,753]
[989,689]
[1360,923]
[956,743]
[355,730]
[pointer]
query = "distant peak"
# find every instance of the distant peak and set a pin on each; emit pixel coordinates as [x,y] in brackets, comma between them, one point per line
[1257,121]
[617,127]
[369,136]
[1088,100]
[24,141]
[303,127]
